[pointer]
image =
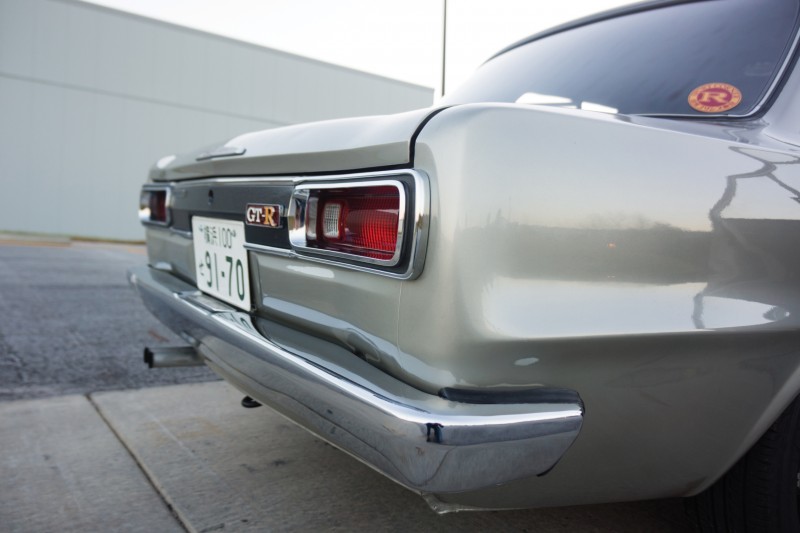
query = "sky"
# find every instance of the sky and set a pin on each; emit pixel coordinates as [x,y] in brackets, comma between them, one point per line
[399,39]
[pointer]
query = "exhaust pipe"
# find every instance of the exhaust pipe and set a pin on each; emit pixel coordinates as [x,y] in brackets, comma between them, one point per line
[171,356]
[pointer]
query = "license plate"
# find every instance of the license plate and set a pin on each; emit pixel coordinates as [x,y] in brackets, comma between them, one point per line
[221,260]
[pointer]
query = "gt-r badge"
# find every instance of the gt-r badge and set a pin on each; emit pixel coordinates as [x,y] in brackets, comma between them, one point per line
[268,215]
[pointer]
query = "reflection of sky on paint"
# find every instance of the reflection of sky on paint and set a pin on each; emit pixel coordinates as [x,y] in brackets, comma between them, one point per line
[605,201]
[395,38]
[312,271]
[762,198]
[520,308]
[559,101]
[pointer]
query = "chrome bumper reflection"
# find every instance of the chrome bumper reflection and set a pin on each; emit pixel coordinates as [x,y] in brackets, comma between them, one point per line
[426,443]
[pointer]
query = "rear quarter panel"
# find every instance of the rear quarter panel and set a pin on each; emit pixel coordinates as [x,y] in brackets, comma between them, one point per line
[652,270]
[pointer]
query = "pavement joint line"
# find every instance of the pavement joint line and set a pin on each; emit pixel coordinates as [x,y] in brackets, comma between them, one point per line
[147,474]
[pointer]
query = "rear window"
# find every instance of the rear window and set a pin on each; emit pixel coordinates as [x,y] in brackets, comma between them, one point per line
[707,58]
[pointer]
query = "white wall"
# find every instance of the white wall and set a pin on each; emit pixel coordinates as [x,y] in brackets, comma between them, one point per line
[91,97]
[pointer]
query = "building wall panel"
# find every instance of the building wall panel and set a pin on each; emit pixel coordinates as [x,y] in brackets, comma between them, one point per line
[91,97]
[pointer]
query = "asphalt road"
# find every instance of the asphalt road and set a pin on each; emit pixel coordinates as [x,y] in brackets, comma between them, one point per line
[70,323]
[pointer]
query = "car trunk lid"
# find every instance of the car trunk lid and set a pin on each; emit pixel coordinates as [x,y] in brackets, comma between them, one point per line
[362,143]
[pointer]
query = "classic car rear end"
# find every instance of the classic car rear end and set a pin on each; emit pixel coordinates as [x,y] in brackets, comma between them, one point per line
[326,258]
[506,305]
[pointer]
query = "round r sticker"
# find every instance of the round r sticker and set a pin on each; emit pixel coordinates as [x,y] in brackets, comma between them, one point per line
[715,97]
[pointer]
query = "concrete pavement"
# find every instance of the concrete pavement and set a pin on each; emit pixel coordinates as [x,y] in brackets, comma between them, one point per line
[119,461]
[62,469]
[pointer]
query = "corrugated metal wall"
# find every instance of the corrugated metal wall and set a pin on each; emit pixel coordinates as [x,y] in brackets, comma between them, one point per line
[91,97]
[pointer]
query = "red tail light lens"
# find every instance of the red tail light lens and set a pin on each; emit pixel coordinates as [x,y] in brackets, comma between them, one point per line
[363,221]
[153,207]
[158,206]
[360,221]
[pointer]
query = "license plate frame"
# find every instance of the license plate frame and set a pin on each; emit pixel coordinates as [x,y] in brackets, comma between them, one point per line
[221,266]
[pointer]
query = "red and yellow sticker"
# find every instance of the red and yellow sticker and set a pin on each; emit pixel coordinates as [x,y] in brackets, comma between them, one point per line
[715,98]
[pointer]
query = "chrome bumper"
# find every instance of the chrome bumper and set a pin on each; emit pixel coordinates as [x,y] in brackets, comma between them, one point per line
[422,441]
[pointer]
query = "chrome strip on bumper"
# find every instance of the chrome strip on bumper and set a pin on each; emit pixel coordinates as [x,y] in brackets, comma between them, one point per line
[426,443]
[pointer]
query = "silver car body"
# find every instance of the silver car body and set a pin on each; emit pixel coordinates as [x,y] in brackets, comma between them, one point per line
[646,266]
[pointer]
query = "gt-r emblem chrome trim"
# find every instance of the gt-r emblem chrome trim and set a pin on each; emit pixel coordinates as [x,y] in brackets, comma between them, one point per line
[266,215]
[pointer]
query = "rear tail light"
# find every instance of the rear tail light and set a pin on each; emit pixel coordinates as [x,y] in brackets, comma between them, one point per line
[362,221]
[359,221]
[154,206]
